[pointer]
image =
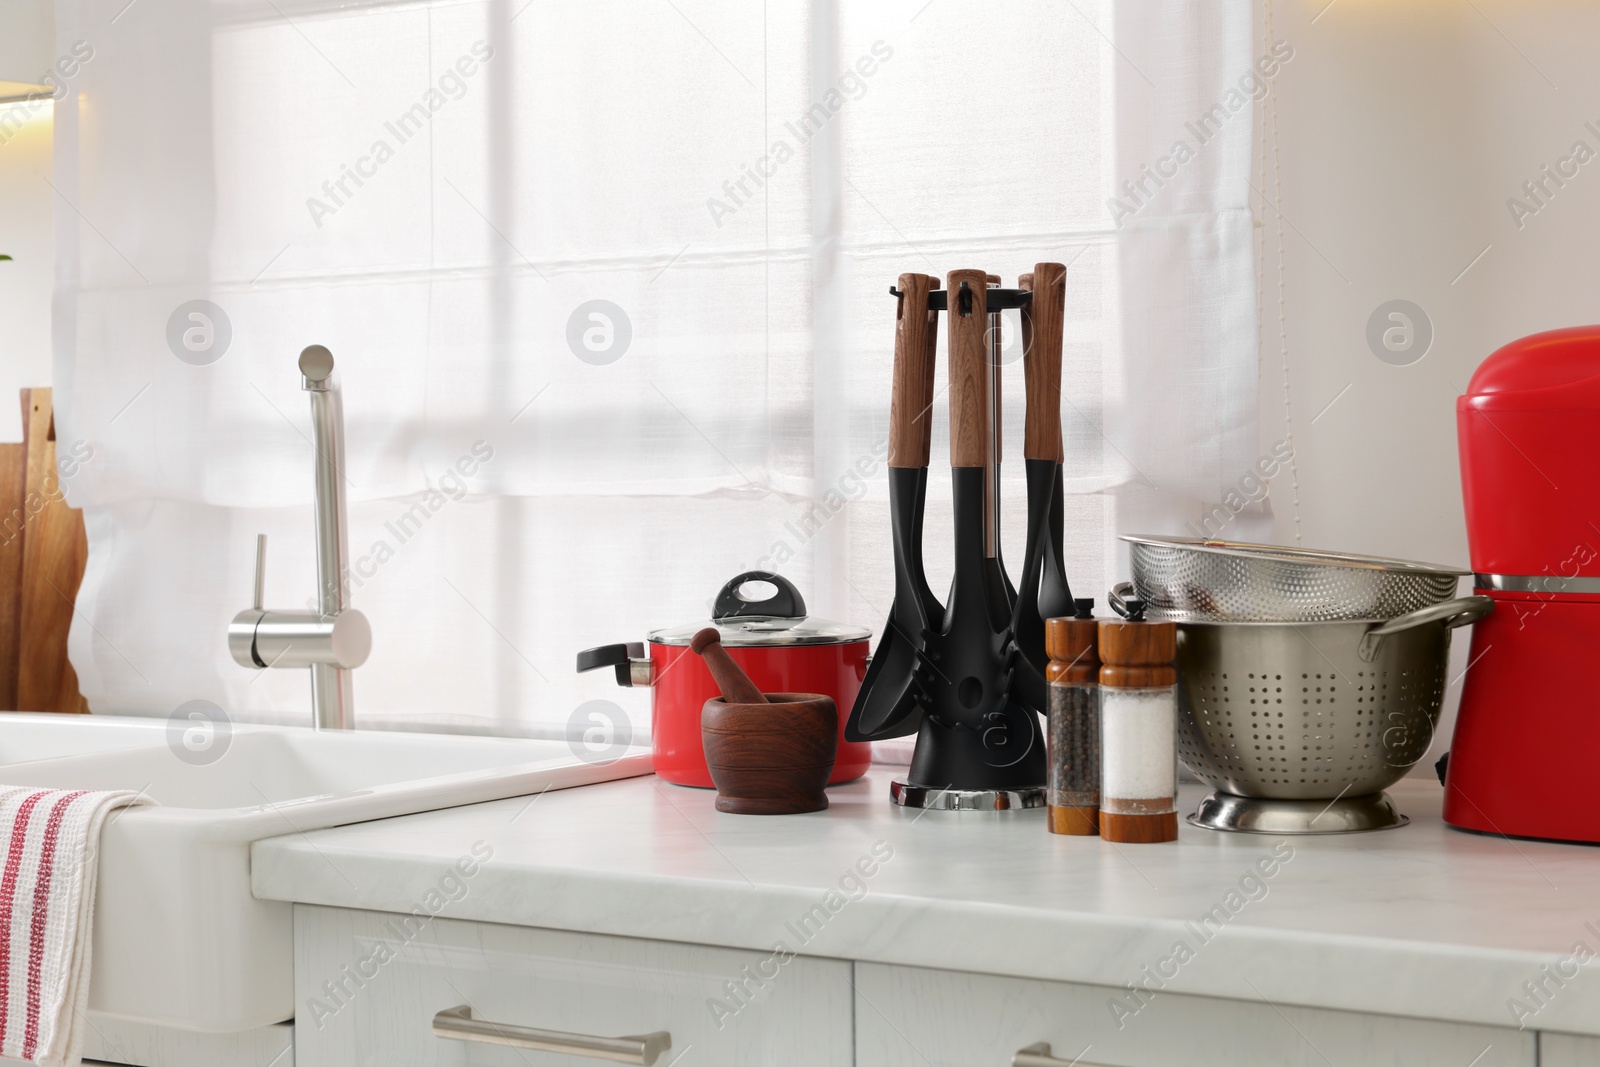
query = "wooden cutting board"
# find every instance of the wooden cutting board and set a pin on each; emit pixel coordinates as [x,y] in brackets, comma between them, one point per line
[43,550]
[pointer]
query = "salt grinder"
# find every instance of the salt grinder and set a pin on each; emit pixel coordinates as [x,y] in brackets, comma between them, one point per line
[1138,728]
[1072,797]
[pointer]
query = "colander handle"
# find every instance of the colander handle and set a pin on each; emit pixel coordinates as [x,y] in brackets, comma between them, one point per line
[1125,601]
[1451,613]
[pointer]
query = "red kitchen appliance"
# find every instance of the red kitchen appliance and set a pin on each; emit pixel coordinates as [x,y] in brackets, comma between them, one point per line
[1527,737]
[773,640]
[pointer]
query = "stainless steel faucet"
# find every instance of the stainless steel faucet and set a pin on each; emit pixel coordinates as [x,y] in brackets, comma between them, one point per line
[335,639]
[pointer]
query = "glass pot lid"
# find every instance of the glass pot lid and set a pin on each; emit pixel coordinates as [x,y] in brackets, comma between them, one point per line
[747,618]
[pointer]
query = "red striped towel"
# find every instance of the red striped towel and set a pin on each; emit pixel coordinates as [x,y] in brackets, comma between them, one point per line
[50,839]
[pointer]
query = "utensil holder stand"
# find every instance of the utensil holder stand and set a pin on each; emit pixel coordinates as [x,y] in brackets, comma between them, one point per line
[952,769]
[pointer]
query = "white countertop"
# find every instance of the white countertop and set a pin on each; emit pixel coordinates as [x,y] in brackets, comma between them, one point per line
[1421,921]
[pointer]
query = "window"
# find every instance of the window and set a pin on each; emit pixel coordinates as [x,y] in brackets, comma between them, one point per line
[628,263]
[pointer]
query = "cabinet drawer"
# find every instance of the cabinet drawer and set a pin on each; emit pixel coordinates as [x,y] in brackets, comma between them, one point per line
[913,1017]
[368,985]
[1568,1050]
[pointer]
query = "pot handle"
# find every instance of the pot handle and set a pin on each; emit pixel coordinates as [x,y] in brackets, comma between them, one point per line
[621,658]
[1451,613]
[786,603]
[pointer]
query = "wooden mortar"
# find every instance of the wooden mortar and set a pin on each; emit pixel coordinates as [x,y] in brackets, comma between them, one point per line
[773,758]
[769,754]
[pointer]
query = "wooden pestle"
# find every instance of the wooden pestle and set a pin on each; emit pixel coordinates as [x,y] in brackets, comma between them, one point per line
[736,686]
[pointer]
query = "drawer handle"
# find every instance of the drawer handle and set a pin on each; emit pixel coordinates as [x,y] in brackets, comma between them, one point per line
[457,1024]
[1039,1056]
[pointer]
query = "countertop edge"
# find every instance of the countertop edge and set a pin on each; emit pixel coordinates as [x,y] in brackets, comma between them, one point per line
[1415,979]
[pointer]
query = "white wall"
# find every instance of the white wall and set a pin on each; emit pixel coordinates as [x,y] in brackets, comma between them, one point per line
[27,35]
[1404,129]
[26,32]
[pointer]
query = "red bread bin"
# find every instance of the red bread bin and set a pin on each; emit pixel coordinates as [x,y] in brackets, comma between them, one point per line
[1522,760]
[777,645]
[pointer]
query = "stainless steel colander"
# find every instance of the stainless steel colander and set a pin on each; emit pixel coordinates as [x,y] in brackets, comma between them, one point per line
[1191,579]
[1330,712]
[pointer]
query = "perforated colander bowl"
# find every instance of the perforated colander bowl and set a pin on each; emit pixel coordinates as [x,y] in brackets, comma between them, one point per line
[1313,711]
[1188,578]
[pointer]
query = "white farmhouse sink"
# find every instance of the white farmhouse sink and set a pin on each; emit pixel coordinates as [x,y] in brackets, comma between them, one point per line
[32,737]
[179,941]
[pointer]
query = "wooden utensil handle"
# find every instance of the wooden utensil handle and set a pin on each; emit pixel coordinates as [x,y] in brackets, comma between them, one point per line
[911,401]
[1026,282]
[969,368]
[927,372]
[1042,323]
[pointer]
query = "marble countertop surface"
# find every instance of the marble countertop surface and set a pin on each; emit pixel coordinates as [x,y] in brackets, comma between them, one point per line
[1420,921]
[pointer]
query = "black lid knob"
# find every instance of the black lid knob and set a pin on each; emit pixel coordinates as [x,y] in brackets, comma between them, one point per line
[785,603]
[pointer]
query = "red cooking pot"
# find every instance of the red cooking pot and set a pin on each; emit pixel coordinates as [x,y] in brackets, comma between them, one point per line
[780,648]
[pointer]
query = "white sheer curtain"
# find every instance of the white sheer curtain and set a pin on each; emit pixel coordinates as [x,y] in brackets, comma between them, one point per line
[439,191]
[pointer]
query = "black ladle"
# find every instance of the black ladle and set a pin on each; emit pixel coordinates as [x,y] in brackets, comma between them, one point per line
[1044,592]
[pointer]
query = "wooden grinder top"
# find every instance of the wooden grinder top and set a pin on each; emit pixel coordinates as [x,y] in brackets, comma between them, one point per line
[1138,654]
[1073,648]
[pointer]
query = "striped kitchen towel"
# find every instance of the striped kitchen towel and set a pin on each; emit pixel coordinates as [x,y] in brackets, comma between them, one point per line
[50,839]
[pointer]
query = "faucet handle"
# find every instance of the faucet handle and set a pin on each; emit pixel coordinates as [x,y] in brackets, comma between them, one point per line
[259,638]
[260,602]
[242,631]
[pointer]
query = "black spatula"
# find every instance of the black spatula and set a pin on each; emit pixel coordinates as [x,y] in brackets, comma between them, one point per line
[890,701]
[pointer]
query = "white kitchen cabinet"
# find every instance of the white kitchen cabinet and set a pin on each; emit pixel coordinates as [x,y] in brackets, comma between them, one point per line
[915,1017]
[368,985]
[107,1039]
[1568,1050]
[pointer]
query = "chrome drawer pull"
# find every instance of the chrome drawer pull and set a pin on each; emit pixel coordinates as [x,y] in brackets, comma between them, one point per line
[1039,1056]
[457,1024]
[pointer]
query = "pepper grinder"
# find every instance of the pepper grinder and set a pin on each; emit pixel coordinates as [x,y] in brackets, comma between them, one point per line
[1072,795]
[1138,728]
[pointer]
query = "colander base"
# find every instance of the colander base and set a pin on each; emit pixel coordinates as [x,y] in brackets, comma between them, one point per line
[1253,815]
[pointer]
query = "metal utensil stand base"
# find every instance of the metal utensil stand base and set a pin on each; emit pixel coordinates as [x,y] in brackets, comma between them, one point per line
[906,795]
